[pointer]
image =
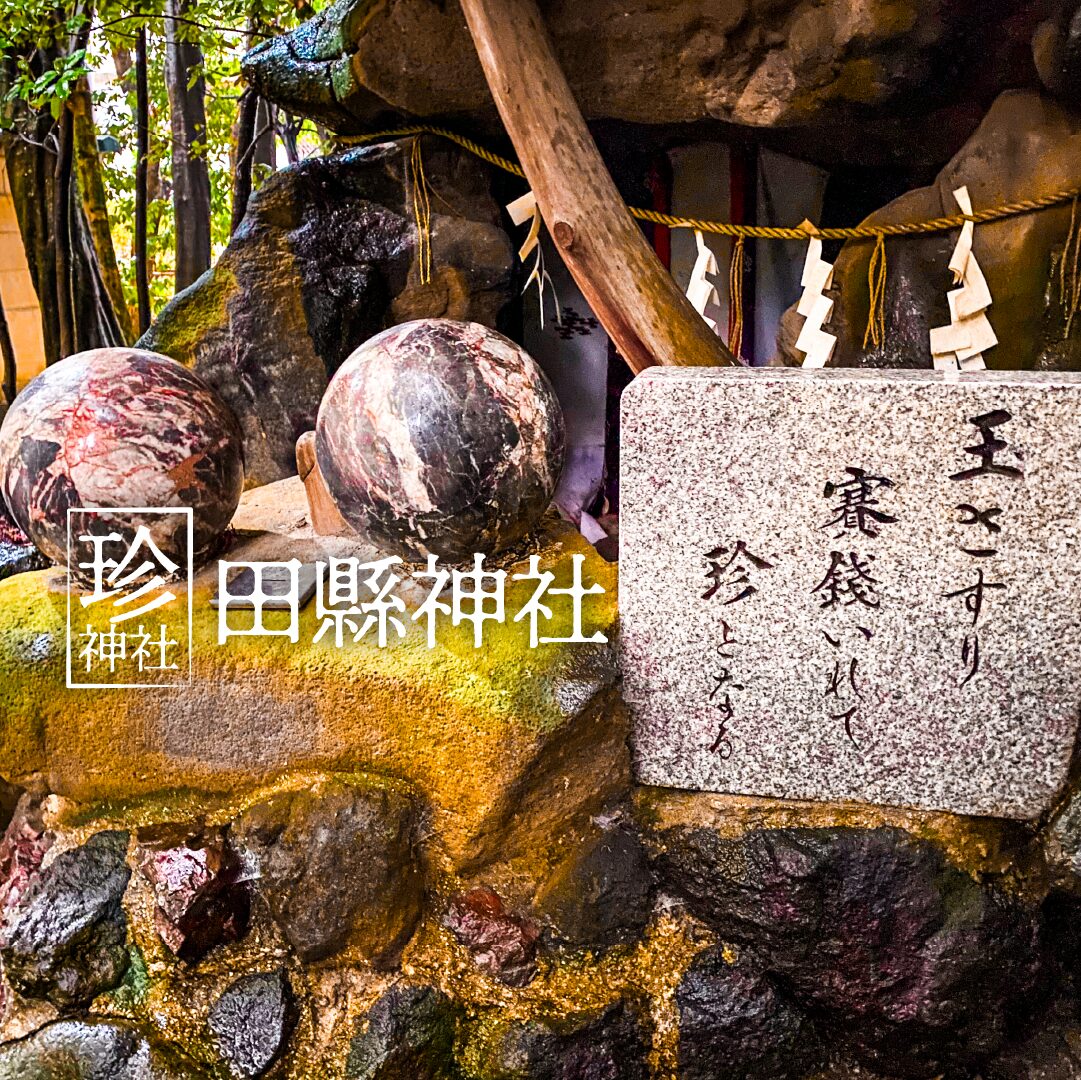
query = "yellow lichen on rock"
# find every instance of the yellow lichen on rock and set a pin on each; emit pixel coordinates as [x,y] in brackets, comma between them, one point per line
[478,731]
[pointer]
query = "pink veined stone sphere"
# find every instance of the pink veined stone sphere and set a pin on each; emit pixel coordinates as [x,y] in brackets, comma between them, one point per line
[440,437]
[120,428]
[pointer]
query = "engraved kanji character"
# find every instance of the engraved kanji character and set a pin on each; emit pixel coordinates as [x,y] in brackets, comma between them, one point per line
[738,581]
[849,579]
[986,450]
[857,506]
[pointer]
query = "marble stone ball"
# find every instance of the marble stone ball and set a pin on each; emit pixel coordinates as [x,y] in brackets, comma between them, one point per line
[440,437]
[120,428]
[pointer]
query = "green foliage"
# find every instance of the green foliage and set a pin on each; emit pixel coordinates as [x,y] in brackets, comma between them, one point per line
[40,70]
[35,24]
[52,87]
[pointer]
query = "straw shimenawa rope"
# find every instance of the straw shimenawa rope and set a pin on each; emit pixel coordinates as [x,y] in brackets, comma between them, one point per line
[876,288]
[756,232]
[1069,270]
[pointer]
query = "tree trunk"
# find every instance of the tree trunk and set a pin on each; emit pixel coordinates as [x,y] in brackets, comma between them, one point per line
[142,144]
[245,133]
[92,323]
[61,229]
[7,350]
[289,130]
[265,146]
[30,173]
[191,178]
[92,191]
[39,155]
[635,298]
[96,322]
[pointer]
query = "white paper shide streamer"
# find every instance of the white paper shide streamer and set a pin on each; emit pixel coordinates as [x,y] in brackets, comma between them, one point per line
[960,346]
[522,210]
[815,307]
[702,288]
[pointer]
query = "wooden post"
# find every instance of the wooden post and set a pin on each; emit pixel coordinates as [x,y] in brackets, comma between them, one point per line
[635,298]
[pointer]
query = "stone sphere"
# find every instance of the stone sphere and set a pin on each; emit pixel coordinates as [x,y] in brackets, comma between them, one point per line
[120,428]
[440,437]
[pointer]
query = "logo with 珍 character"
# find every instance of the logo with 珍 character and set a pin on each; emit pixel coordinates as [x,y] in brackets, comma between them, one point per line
[129,597]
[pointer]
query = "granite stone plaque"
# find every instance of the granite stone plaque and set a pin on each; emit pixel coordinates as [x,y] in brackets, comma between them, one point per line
[853,585]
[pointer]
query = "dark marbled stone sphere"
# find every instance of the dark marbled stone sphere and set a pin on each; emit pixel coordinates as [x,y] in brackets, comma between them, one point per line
[120,428]
[440,437]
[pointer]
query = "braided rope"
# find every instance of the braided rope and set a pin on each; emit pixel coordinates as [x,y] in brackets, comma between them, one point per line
[757,232]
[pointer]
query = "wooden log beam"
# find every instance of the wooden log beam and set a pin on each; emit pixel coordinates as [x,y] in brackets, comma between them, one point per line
[630,292]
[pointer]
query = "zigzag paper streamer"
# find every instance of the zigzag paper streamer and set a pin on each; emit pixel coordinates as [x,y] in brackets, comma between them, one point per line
[522,210]
[960,346]
[815,307]
[702,288]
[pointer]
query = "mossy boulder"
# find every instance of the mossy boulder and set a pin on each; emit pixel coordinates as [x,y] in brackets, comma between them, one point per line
[734,1013]
[66,938]
[324,259]
[408,1034]
[609,1045]
[252,1020]
[602,893]
[338,864]
[485,737]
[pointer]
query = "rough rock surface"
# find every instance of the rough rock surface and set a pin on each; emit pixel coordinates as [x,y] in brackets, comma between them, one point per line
[17,553]
[408,1034]
[909,958]
[65,940]
[325,258]
[836,65]
[22,849]
[10,794]
[1056,51]
[338,865]
[200,901]
[252,1021]
[92,1050]
[502,944]
[602,893]
[734,1014]
[611,1046]
[1050,1051]
[1062,845]
[1027,145]
[1048,1045]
